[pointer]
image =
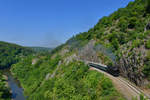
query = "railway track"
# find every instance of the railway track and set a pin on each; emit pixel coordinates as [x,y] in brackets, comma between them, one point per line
[135,88]
[126,88]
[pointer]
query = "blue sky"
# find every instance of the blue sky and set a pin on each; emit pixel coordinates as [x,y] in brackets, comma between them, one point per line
[48,23]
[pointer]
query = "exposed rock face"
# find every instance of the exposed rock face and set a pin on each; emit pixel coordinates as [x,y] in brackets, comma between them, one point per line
[70,58]
[131,63]
[96,53]
[88,53]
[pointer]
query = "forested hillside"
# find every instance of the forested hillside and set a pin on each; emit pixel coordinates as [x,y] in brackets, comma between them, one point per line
[120,40]
[41,49]
[11,53]
[47,78]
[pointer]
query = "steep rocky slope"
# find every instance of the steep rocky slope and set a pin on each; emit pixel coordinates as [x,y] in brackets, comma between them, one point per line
[120,40]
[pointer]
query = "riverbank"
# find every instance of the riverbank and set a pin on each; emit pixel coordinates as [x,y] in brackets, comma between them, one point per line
[14,85]
[5,93]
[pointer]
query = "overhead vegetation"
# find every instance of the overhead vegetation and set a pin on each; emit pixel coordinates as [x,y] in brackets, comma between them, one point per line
[11,53]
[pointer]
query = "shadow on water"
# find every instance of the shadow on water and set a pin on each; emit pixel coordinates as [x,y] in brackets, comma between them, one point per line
[17,91]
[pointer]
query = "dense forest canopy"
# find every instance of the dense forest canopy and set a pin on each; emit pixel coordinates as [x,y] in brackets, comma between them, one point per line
[11,53]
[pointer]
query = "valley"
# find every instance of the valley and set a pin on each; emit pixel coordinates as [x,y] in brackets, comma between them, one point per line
[118,43]
[15,88]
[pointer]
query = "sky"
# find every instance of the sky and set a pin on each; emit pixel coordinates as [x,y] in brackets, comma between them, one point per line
[49,23]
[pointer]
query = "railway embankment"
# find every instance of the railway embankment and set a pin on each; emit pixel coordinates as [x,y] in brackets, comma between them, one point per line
[127,89]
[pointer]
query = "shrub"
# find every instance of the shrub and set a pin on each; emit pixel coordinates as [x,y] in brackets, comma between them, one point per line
[146,68]
[132,22]
[123,24]
[147,45]
[106,21]
[115,44]
[136,43]
[148,6]
[146,71]
[148,56]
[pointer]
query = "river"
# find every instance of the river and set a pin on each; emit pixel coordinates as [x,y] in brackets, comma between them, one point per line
[17,91]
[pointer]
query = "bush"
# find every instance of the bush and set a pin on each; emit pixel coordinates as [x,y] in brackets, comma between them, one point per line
[4,91]
[148,55]
[123,24]
[132,22]
[115,44]
[136,43]
[147,45]
[146,68]
[106,21]
[148,6]
[73,81]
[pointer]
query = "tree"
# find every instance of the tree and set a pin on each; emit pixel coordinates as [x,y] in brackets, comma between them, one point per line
[132,22]
[148,6]
[115,44]
[147,45]
[123,24]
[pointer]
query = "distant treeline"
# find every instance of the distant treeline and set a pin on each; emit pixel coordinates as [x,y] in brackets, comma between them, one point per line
[11,53]
[41,49]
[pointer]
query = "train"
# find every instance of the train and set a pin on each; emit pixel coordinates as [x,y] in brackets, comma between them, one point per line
[109,69]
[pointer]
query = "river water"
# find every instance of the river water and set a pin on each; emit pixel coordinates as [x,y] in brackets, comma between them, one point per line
[17,91]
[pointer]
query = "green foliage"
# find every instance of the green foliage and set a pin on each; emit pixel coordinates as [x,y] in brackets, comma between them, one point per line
[10,54]
[115,44]
[146,68]
[106,21]
[4,91]
[142,97]
[42,50]
[148,6]
[123,24]
[36,71]
[132,22]
[136,43]
[147,45]
[45,80]
[75,81]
